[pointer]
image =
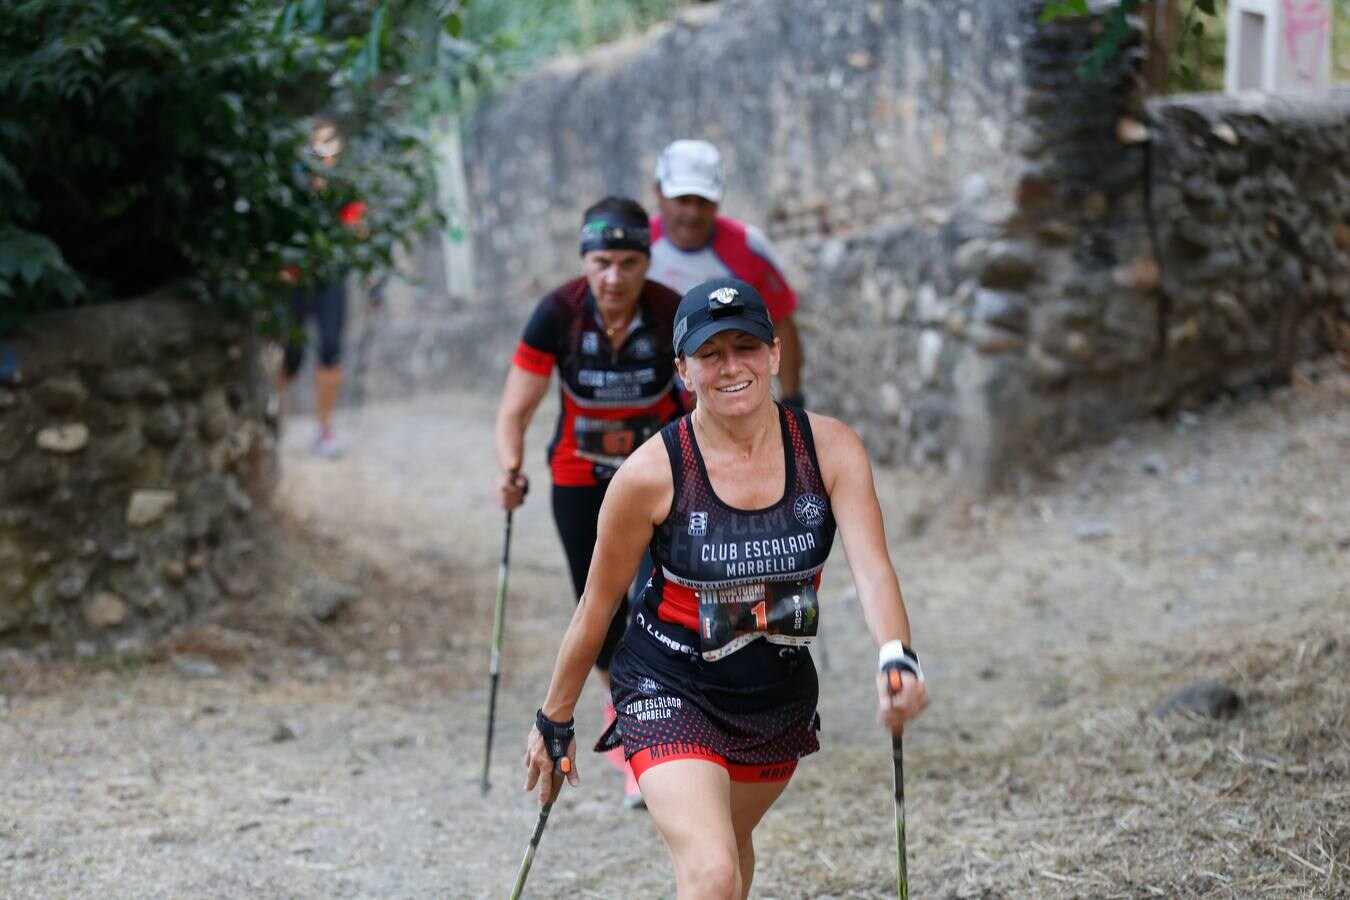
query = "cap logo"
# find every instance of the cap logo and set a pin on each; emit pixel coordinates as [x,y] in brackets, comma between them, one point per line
[724,295]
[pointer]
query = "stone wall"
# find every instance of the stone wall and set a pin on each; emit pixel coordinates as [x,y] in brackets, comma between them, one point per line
[996,259]
[136,455]
[831,116]
[1250,203]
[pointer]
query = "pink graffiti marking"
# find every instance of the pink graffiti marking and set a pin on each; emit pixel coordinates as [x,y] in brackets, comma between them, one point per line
[1305,24]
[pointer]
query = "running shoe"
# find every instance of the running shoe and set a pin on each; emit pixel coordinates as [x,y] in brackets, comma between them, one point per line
[326,444]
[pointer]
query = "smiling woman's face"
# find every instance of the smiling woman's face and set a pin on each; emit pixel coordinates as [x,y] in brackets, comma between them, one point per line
[731,371]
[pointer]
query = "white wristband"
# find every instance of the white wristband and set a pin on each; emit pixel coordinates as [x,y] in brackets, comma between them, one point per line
[897,653]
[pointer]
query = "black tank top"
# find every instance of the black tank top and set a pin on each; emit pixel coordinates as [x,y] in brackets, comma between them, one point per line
[707,548]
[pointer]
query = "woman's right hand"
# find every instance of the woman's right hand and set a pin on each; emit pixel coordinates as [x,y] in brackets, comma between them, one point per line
[542,770]
[896,708]
[511,488]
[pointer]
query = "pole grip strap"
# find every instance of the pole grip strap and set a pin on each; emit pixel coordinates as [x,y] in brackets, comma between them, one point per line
[557,735]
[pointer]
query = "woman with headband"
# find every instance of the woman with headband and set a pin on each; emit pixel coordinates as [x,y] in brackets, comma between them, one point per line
[713,682]
[608,333]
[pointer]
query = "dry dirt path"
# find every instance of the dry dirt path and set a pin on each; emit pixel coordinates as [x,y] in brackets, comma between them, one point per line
[260,755]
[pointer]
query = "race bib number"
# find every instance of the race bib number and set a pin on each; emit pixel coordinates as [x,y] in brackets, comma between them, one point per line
[781,612]
[610,441]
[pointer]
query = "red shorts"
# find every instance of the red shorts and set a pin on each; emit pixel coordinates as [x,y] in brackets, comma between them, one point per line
[648,757]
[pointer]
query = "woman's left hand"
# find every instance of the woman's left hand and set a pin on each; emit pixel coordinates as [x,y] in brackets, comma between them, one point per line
[894,710]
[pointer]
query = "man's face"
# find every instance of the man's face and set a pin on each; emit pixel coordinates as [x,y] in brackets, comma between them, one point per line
[687,220]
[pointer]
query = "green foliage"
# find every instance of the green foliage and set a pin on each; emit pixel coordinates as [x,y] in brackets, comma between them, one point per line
[1108,43]
[147,142]
[1118,30]
[1063,9]
[1340,41]
[1197,59]
[522,33]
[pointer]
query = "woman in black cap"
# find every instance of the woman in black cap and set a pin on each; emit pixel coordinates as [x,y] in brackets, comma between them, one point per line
[713,683]
[608,333]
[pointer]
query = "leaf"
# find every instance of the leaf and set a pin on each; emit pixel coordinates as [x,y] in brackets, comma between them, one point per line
[313,11]
[232,102]
[165,41]
[366,64]
[454,25]
[1198,29]
[30,268]
[1207,7]
[9,175]
[1063,9]
[286,21]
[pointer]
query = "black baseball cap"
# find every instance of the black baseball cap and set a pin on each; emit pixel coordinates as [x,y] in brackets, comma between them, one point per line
[723,304]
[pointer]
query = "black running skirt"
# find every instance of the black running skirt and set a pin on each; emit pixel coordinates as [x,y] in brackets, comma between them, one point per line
[755,707]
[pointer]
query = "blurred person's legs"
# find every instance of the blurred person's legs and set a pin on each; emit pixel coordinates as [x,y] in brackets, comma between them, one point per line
[330,312]
[293,353]
[328,307]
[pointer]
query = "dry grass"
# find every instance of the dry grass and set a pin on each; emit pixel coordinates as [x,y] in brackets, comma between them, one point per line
[1099,799]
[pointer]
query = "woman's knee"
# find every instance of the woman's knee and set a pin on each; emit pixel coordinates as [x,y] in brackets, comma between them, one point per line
[710,872]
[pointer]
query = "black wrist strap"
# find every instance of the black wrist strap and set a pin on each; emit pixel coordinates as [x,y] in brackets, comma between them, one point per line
[557,735]
[907,662]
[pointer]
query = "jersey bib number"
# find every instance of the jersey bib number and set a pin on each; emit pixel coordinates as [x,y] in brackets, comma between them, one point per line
[781,612]
[610,441]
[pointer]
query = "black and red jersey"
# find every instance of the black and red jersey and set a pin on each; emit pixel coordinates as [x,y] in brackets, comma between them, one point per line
[612,399]
[706,546]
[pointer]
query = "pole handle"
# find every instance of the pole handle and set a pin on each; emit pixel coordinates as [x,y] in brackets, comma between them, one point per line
[894,684]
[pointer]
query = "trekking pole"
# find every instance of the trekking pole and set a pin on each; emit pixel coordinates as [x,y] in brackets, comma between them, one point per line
[563,766]
[898,765]
[498,619]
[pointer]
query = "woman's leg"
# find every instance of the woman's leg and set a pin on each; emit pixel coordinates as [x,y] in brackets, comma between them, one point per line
[690,802]
[749,802]
[706,820]
[330,313]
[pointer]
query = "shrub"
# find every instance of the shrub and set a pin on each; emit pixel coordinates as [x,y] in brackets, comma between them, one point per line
[152,142]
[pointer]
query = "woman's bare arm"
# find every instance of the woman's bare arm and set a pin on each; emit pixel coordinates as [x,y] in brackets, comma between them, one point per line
[847,472]
[637,500]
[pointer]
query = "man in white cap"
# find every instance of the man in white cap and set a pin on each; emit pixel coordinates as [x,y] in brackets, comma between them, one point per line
[692,244]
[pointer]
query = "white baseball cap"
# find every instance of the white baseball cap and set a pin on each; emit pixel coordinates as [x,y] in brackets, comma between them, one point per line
[691,167]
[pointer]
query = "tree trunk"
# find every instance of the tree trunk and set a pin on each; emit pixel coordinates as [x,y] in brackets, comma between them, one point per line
[1162,25]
